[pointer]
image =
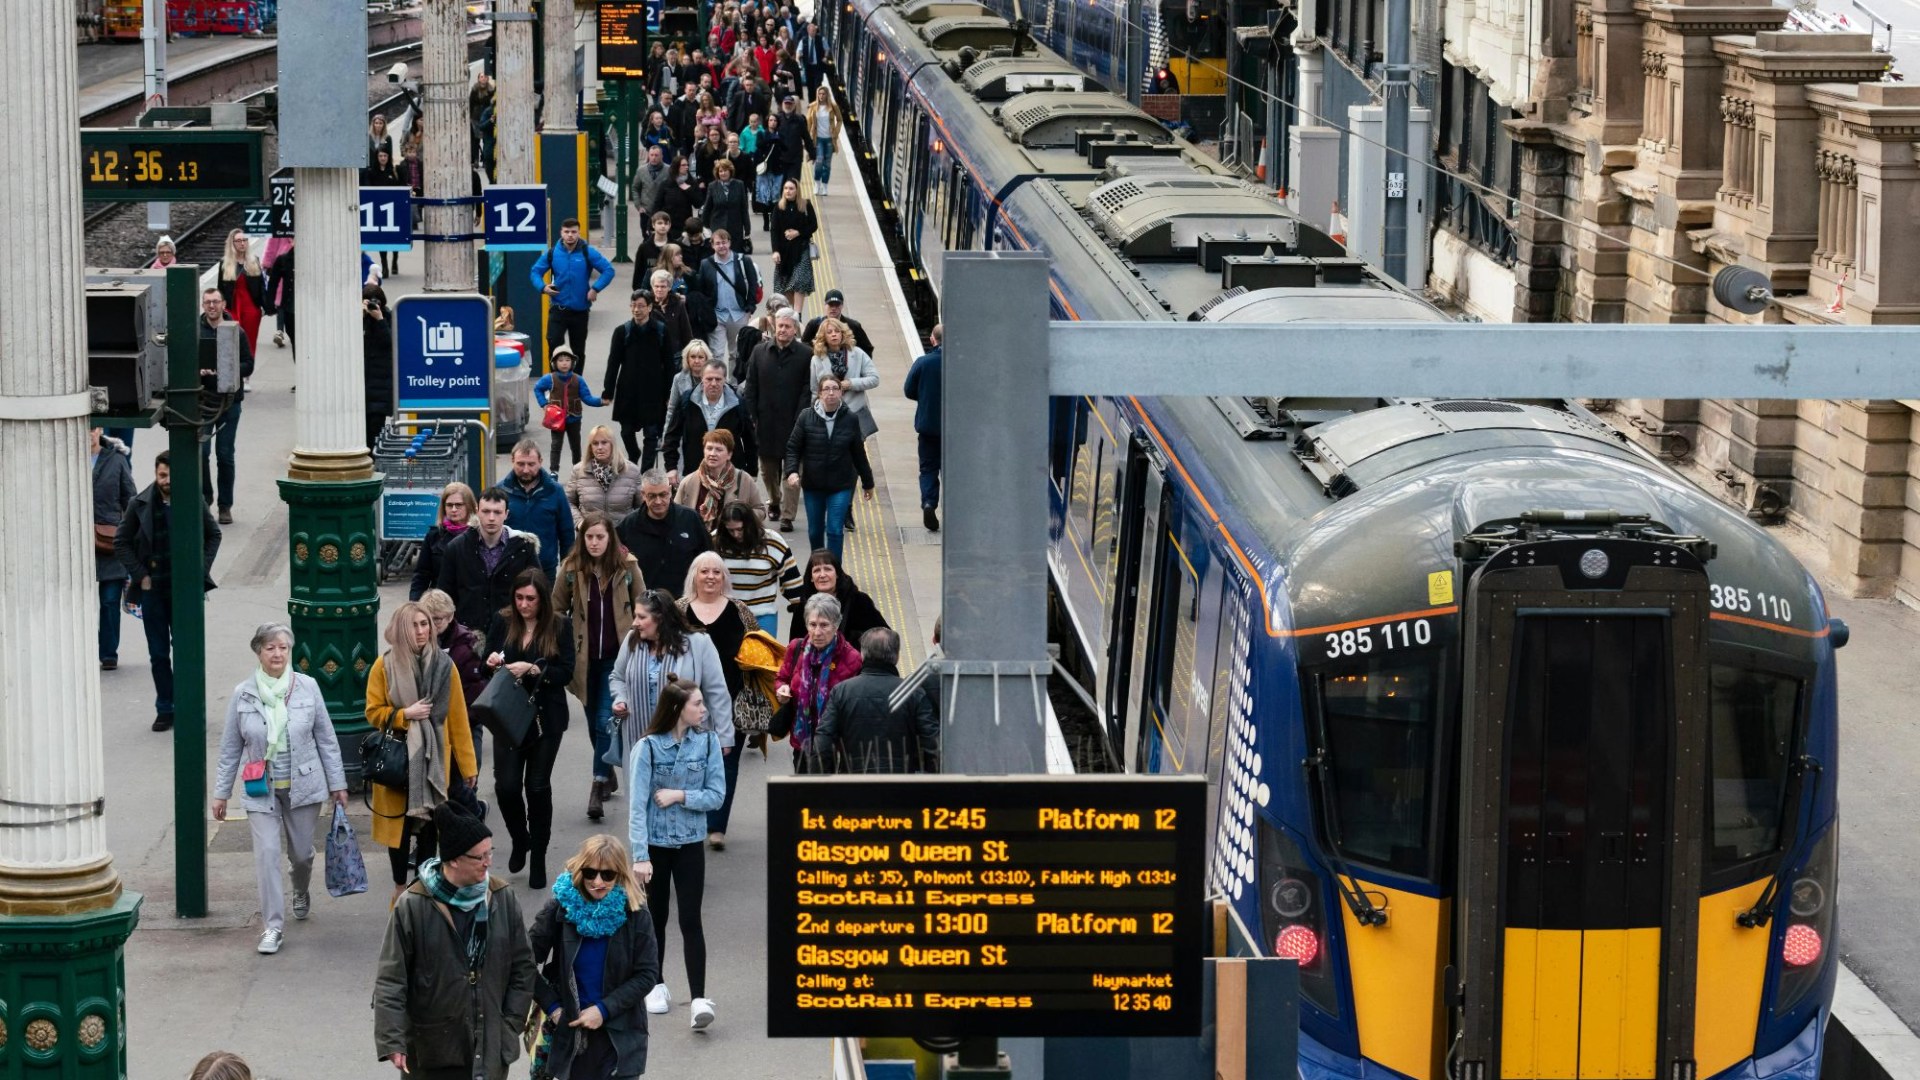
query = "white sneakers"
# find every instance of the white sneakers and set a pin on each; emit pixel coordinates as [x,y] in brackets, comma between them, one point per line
[269,943]
[659,999]
[702,1013]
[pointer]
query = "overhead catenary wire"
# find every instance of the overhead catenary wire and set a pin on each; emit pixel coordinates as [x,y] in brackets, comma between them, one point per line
[1431,166]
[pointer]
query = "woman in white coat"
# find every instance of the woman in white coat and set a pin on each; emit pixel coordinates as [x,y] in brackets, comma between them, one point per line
[657,644]
[280,742]
[835,354]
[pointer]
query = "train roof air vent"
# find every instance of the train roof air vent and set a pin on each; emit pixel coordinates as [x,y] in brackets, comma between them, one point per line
[1001,77]
[978,31]
[1466,406]
[919,11]
[1149,216]
[1051,118]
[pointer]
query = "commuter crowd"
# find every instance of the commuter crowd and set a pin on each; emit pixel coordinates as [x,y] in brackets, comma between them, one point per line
[649,588]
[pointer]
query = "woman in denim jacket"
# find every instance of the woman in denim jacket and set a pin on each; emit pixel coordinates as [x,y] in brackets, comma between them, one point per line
[677,777]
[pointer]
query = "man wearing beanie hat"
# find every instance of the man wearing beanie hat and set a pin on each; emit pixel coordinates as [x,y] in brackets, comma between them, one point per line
[456,972]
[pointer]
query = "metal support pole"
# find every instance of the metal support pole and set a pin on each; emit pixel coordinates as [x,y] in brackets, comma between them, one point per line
[153,44]
[187,553]
[626,96]
[447,153]
[1398,92]
[1134,71]
[994,561]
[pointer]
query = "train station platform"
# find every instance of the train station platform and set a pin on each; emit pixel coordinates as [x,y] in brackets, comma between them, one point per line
[111,74]
[197,985]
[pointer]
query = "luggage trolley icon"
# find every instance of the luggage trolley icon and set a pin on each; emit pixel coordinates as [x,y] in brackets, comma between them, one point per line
[441,341]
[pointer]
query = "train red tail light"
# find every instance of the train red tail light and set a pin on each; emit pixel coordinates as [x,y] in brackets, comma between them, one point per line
[1300,944]
[1802,946]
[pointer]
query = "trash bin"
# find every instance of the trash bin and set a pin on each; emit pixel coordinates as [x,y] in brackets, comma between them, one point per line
[512,390]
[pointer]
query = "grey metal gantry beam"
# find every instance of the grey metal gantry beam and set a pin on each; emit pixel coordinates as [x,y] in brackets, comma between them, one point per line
[1002,360]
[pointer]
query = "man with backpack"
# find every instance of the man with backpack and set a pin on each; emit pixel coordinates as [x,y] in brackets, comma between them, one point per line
[570,263]
[723,293]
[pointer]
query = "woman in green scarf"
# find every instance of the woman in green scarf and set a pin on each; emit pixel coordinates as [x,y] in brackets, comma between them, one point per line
[279,743]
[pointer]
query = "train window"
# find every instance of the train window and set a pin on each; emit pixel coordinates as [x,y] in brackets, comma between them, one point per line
[1180,687]
[1378,731]
[1752,717]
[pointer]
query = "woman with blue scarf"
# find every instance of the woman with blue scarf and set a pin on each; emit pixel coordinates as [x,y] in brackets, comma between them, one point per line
[594,946]
[279,741]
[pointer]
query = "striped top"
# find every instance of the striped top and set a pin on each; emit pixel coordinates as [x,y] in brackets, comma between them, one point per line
[759,579]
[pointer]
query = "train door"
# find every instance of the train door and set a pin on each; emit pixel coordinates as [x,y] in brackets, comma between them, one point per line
[1582,764]
[1134,651]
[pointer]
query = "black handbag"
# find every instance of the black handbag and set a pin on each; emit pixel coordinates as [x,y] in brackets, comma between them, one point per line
[383,758]
[781,726]
[505,708]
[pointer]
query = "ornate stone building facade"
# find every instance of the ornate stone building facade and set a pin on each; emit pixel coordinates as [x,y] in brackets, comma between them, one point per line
[1660,142]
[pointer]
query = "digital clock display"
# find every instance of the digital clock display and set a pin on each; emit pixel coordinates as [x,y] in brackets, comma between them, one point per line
[1028,906]
[169,165]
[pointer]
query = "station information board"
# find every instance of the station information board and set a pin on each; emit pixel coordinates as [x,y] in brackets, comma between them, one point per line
[620,44]
[985,905]
[170,164]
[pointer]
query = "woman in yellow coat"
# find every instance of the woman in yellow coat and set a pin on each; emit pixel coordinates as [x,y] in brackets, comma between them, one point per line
[414,689]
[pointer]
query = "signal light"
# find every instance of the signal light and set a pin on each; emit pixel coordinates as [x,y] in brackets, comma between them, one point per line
[1802,946]
[1302,945]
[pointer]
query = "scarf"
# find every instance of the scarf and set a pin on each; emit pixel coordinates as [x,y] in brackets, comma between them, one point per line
[471,898]
[600,918]
[427,755]
[838,361]
[603,471]
[818,664]
[453,528]
[713,494]
[273,697]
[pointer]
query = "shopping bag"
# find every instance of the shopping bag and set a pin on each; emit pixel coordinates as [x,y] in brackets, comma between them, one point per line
[554,417]
[346,871]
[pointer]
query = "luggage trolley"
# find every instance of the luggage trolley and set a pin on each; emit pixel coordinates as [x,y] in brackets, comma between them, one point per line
[416,467]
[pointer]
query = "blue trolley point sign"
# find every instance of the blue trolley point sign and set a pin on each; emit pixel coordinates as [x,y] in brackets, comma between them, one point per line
[443,353]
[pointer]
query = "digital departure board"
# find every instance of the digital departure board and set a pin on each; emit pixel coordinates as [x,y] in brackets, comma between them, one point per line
[985,906]
[169,164]
[621,46]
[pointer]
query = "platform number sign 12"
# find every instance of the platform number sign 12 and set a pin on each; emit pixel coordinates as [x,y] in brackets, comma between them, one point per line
[516,217]
[385,219]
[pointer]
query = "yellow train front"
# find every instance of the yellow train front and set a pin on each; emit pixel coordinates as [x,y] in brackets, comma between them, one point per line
[1524,747]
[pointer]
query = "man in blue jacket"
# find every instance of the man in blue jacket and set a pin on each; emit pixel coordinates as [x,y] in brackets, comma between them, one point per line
[537,505]
[570,294]
[923,386]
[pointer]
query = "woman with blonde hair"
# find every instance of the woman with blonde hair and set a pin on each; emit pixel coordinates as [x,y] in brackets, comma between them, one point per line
[411,691]
[693,360]
[462,645]
[221,1065]
[834,353]
[457,506]
[243,284]
[596,958]
[709,606]
[603,482]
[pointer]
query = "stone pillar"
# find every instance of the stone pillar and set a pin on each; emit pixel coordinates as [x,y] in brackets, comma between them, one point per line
[1869,480]
[514,140]
[557,107]
[446,154]
[64,918]
[330,490]
[1885,286]
[1540,239]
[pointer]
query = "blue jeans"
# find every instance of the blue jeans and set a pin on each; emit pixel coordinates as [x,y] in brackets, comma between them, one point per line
[599,710]
[156,614]
[717,819]
[827,514]
[929,471]
[822,160]
[110,594]
[220,448]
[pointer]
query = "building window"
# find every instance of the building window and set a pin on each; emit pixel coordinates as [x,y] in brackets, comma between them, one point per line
[1474,143]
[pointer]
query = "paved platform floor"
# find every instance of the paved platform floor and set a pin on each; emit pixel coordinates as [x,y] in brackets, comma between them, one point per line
[196,985]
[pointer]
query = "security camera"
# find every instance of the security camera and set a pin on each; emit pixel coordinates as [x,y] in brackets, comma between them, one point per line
[397,73]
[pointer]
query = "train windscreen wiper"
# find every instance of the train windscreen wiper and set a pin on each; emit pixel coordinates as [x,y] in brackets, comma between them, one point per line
[1344,879]
[1761,912]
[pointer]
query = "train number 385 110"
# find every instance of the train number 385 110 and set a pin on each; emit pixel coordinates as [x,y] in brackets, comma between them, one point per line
[1386,637]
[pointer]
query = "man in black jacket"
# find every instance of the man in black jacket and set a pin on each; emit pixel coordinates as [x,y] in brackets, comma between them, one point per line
[226,428]
[774,388]
[748,100]
[862,732]
[479,565]
[825,455]
[662,535]
[711,405]
[140,543]
[836,304]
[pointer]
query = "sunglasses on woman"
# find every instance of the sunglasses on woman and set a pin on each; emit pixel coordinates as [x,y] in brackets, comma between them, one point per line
[594,873]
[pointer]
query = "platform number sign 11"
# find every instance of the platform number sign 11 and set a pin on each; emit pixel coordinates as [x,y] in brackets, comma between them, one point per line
[385,219]
[516,217]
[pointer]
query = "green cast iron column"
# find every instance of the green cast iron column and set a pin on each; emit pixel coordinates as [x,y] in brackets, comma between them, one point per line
[63,978]
[333,551]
